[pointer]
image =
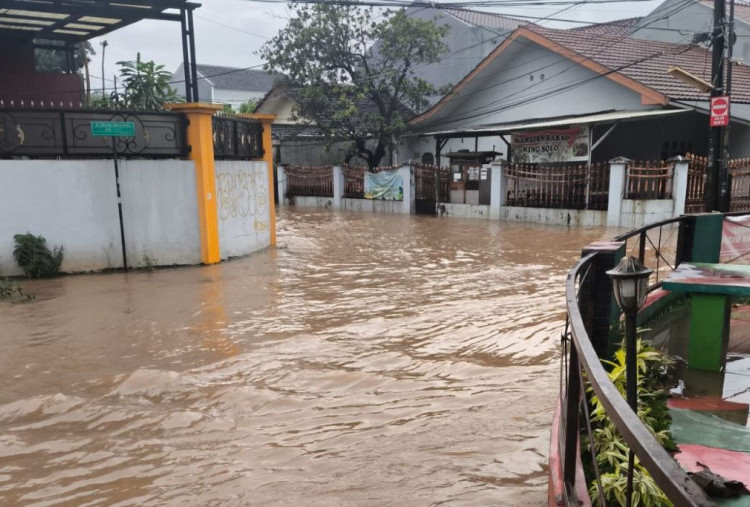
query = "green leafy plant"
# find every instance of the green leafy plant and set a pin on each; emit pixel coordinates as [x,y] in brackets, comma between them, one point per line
[146,84]
[610,449]
[34,258]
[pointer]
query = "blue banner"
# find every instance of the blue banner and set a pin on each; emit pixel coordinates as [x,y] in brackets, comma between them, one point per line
[384,186]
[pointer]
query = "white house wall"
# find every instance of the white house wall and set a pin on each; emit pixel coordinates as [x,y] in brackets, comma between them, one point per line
[243,206]
[235,97]
[529,81]
[467,46]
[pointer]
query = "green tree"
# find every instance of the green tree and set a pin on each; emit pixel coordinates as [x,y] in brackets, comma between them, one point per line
[354,73]
[146,84]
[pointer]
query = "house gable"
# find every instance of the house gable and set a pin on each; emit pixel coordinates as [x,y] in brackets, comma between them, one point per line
[530,76]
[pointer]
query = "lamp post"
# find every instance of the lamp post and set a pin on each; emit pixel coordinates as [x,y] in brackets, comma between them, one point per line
[630,285]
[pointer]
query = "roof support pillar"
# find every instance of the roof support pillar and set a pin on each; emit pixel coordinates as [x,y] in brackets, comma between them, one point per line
[188,55]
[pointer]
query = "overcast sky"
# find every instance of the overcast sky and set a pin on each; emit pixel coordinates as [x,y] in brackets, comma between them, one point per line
[230,32]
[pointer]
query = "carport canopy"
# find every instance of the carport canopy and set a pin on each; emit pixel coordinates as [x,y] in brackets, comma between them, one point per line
[74,21]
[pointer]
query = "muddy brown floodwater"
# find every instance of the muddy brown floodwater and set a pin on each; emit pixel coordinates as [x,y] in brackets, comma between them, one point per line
[369,360]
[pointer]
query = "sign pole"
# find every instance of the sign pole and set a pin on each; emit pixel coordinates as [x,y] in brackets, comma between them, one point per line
[113,130]
[119,205]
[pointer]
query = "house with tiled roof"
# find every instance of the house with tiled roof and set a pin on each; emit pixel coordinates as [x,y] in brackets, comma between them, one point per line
[680,21]
[472,35]
[226,85]
[618,89]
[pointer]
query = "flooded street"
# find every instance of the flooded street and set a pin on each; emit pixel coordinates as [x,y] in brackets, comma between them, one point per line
[369,360]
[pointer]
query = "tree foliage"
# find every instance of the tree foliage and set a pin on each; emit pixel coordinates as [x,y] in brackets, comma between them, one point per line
[146,84]
[354,72]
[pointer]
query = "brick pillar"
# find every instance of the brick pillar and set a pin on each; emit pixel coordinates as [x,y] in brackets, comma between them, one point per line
[200,139]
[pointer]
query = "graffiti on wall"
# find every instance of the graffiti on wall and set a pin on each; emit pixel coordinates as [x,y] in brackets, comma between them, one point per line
[244,195]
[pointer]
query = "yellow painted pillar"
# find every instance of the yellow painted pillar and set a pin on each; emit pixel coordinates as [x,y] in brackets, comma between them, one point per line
[266,120]
[200,139]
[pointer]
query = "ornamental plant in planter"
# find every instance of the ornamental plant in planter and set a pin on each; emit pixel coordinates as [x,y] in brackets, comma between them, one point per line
[610,449]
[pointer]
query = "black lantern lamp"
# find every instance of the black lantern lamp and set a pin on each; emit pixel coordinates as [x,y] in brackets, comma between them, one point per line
[630,286]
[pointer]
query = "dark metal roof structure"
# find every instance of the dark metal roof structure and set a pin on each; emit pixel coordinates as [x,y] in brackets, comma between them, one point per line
[79,20]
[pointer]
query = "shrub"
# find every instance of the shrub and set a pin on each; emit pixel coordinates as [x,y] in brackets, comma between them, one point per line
[34,258]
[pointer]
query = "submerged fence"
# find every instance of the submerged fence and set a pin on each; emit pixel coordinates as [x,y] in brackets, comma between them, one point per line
[649,180]
[739,177]
[309,181]
[580,186]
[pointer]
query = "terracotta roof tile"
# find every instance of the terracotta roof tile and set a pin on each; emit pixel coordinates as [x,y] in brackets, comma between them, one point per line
[616,28]
[741,9]
[487,19]
[648,61]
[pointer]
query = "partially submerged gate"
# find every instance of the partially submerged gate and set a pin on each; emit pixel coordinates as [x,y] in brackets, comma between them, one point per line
[426,190]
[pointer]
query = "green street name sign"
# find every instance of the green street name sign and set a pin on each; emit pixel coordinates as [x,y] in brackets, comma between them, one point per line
[113,128]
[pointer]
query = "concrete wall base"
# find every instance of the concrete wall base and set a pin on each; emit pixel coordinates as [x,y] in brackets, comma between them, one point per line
[585,218]
[447,209]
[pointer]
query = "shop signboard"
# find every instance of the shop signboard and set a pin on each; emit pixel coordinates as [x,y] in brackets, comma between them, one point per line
[553,145]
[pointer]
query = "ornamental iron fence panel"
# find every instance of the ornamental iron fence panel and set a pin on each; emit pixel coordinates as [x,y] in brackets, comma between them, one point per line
[309,181]
[649,180]
[42,134]
[237,138]
[739,174]
[539,186]
[354,182]
[696,186]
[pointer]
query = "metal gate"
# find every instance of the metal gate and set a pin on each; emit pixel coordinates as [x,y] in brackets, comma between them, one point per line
[425,183]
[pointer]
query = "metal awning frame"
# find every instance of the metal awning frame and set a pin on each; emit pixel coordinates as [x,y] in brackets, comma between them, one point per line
[74,21]
[597,118]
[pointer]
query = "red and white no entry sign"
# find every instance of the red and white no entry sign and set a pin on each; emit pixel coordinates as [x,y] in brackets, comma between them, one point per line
[719,111]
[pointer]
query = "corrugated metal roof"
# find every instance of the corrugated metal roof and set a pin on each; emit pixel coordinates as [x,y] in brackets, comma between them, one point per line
[603,117]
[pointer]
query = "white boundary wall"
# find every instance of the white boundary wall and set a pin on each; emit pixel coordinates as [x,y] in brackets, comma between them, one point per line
[73,203]
[243,206]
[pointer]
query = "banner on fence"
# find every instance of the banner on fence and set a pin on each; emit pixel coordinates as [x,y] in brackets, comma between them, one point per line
[735,240]
[557,145]
[384,186]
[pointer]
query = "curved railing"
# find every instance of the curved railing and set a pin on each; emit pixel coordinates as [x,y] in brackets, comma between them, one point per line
[580,360]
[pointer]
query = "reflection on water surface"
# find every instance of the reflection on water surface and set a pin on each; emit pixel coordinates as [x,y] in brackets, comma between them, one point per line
[369,360]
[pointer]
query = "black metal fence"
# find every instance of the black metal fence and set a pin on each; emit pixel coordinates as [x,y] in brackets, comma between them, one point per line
[237,138]
[67,133]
